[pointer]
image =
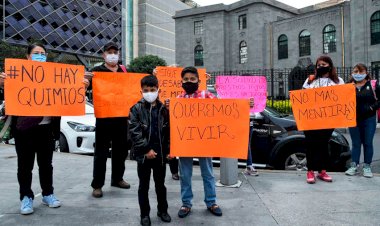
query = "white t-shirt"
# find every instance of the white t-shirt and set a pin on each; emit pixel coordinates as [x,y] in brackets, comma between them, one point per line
[321,82]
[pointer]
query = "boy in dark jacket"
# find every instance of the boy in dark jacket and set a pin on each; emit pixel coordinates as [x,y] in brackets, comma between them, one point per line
[149,132]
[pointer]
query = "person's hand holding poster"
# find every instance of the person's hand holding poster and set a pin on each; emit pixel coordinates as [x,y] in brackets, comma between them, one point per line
[324,108]
[209,128]
[44,89]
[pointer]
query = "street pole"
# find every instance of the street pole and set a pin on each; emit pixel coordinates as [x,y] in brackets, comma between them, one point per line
[228,171]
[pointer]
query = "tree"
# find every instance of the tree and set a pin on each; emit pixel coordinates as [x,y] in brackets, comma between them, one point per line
[10,51]
[145,64]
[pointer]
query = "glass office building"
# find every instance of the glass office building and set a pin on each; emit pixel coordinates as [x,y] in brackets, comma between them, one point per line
[77,28]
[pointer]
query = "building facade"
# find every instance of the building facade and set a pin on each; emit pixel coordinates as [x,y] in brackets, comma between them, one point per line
[156,28]
[264,34]
[76,29]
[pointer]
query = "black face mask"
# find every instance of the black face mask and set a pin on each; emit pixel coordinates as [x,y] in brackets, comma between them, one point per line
[190,87]
[322,71]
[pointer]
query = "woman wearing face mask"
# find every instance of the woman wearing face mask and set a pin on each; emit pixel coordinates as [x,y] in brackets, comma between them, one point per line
[317,140]
[367,104]
[35,136]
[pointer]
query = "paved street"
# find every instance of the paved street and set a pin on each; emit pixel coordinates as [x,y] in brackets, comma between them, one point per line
[273,198]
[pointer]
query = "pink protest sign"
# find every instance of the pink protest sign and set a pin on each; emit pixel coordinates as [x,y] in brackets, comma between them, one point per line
[243,87]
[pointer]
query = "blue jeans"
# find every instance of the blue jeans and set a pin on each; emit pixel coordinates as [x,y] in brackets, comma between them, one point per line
[186,172]
[363,134]
[249,158]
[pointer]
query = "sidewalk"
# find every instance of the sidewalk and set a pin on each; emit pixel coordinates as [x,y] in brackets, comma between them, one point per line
[273,198]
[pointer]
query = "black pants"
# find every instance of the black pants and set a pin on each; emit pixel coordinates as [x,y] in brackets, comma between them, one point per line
[38,140]
[159,172]
[110,132]
[173,164]
[317,151]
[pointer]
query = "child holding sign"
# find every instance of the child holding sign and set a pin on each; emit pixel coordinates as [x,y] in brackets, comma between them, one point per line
[149,131]
[190,84]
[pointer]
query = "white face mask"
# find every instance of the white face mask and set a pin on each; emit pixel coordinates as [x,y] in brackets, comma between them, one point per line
[150,96]
[112,58]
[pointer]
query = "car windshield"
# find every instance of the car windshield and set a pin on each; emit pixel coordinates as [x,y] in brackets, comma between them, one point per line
[272,112]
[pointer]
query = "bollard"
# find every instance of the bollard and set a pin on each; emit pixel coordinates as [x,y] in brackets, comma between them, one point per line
[228,171]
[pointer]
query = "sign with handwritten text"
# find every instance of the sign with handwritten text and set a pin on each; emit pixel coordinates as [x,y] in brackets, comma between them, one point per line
[244,87]
[44,89]
[115,93]
[324,108]
[170,81]
[209,128]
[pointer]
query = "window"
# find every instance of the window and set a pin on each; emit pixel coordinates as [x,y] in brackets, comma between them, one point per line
[198,55]
[282,47]
[329,39]
[242,22]
[304,43]
[243,52]
[198,27]
[375,28]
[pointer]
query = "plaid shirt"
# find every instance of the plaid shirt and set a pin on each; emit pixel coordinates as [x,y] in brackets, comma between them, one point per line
[198,95]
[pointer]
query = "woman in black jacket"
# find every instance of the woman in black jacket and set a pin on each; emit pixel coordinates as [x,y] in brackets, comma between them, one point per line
[367,103]
[35,136]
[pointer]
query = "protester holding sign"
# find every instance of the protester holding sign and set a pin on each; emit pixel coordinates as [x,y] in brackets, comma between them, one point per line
[173,162]
[35,136]
[317,140]
[149,131]
[367,103]
[190,84]
[110,131]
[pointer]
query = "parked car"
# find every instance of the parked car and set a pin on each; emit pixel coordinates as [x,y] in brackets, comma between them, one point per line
[78,133]
[276,143]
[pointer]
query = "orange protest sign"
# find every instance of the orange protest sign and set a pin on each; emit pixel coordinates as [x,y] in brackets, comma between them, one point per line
[169,79]
[209,128]
[115,93]
[44,89]
[324,108]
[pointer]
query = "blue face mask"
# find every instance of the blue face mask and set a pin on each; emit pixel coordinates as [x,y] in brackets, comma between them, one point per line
[359,77]
[38,57]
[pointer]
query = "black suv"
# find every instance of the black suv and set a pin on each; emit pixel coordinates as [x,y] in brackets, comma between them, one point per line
[276,143]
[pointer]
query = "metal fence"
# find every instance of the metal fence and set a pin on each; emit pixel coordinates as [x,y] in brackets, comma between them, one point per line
[281,81]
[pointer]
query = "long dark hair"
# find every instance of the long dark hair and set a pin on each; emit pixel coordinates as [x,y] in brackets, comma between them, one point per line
[332,73]
[360,67]
[34,45]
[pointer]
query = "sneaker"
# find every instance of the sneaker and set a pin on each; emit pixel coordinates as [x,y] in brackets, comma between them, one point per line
[51,201]
[175,176]
[310,177]
[121,184]
[26,206]
[367,172]
[145,221]
[165,217]
[250,171]
[324,176]
[353,170]
[97,193]
[184,212]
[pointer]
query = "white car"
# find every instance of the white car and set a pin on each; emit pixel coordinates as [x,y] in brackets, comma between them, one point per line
[78,133]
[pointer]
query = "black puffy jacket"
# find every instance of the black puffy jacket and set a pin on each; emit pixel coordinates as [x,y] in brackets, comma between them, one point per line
[139,129]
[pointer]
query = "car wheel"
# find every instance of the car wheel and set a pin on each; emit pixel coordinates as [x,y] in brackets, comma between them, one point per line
[63,146]
[296,161]
[291,157]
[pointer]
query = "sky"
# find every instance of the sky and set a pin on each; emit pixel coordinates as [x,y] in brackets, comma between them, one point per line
[294,3]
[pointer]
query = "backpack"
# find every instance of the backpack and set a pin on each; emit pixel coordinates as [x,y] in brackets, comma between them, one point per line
[123,68]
